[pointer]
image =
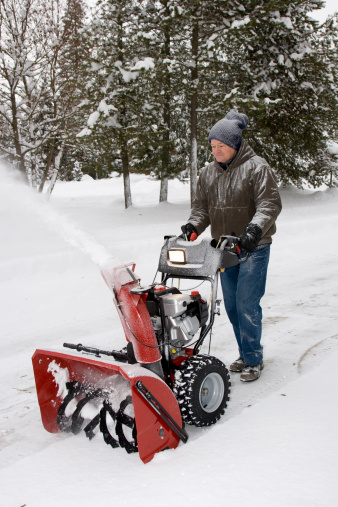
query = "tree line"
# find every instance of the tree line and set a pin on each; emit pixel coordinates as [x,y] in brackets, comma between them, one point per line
[135,86]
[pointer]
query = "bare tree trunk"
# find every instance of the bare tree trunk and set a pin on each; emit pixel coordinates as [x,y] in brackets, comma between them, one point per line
[126,175]
[165,155]
[164,190]
[193,166]
[165,158]
[47,168]
[193,113]
[56,170]
[127,190]
[15,126]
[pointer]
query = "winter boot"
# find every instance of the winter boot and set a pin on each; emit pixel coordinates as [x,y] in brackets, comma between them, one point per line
[250,373]
[238,365]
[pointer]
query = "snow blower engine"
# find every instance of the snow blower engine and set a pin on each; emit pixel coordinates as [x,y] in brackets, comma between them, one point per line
[141,397]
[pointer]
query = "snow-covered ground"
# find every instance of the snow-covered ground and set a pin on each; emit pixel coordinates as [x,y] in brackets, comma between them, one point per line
[277,444]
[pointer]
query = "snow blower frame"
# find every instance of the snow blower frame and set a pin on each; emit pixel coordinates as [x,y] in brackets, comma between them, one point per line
[140,397]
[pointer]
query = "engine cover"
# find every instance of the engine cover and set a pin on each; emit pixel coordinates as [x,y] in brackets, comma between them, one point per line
[184,315]
[175,304]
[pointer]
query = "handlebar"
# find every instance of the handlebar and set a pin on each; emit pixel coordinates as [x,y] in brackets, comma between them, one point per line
[232,244]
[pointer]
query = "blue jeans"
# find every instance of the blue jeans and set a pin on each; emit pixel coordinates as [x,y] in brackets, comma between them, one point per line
[243,287]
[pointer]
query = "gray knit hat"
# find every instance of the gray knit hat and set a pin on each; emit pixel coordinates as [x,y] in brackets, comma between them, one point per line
[229,130]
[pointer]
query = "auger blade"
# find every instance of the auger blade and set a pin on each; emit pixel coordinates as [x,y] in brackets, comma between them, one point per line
[96,381]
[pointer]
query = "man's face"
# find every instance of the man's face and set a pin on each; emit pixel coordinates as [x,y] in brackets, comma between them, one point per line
[221,151]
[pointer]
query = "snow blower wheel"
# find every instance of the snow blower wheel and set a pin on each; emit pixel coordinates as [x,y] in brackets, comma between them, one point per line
[202,388]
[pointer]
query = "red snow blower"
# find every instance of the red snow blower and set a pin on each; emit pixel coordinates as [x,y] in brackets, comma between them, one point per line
[140,397]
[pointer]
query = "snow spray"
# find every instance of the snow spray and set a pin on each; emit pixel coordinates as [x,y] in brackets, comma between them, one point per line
[16,190]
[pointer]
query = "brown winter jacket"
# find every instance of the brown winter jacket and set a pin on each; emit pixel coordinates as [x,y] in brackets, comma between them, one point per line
[230,199]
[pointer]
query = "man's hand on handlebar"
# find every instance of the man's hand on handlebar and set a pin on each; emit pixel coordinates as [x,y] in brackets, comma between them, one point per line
[189,232]
[250,238]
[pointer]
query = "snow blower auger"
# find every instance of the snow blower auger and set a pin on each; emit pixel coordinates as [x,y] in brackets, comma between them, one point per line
[140,397]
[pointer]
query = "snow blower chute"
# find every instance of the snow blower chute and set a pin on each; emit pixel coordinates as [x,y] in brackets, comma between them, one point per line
[140,397]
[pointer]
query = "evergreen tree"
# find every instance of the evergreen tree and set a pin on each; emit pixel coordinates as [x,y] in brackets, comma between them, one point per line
[139,87]
[113,91]
[161,146]
[203,27]
[77,171]
[279,77]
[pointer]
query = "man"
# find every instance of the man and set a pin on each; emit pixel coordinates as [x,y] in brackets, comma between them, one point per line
[237,195]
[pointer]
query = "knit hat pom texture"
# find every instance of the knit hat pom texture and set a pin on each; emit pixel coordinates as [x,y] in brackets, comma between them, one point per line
[229,129]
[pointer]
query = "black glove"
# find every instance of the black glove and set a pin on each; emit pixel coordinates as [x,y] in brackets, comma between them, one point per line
[250,238]
[188,230]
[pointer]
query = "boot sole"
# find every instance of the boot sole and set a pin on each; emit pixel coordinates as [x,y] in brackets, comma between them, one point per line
[236,371]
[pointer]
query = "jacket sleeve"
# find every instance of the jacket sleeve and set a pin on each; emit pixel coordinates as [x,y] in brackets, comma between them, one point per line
[267,199]
[199,215]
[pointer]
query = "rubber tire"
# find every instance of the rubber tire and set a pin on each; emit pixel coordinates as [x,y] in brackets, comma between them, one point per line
[196,373]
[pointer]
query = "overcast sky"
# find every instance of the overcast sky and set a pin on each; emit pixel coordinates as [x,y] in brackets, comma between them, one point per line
[330,8]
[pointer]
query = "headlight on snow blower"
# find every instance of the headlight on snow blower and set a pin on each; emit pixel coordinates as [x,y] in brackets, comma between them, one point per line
[177,256]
